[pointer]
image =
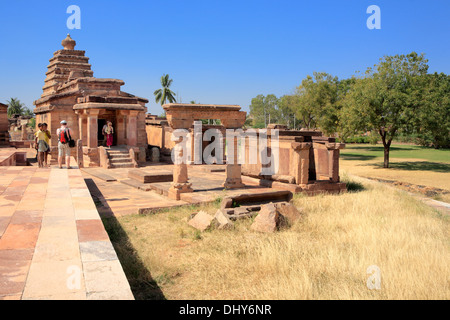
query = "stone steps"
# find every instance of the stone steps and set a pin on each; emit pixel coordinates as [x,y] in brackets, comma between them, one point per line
[122,165]
[120,158]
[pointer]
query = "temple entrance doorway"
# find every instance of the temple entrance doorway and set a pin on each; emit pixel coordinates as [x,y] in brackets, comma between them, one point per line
[102,139]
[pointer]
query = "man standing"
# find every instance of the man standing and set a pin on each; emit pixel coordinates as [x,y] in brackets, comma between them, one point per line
[64,133]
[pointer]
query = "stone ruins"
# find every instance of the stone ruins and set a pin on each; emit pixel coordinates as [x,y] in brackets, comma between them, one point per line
[72,93]
[308,161]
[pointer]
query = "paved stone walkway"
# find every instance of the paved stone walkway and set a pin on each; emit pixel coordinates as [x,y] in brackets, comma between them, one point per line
[52,241]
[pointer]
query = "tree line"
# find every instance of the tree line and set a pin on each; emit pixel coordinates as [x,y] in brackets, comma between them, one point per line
[395,97]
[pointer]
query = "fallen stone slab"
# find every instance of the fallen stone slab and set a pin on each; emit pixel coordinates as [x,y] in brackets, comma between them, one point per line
[268,220]
[244,199]
[222,221]
[150,177]
[201,221]
[241,212]
[288,211]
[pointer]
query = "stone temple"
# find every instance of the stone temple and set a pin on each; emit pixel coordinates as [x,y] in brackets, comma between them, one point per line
[72,93]
[308,161]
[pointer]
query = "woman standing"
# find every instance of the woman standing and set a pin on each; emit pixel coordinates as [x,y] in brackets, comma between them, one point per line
[109,130]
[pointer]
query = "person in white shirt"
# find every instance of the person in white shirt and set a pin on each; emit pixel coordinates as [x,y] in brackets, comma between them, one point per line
[64,133]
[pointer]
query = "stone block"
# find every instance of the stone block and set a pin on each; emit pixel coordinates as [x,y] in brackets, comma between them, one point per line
[268,220]
[255,198]
[222,221]
[201,221]
[150,177]
[289,211]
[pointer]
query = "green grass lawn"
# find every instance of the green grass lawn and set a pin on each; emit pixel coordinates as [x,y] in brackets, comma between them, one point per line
[397,151]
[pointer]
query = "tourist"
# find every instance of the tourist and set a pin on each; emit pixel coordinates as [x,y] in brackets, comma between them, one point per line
[48,136]
[109,131]
[41,146]
[36,143]
[64,135]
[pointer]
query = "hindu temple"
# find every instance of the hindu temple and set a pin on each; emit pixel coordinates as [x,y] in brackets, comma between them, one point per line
[72,93]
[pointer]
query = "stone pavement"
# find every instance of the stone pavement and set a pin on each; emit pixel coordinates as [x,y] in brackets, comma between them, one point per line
[115,198]
[52,242]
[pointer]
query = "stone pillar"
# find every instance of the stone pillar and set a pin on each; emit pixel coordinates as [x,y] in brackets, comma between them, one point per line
[80,160]
[233,169]
[80,125]
[333,164]
[92,128]
[24,133]
[132,128]
[120,127]
[180,182]
[300,161]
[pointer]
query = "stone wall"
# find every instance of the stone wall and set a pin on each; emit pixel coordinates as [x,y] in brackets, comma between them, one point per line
[4,125]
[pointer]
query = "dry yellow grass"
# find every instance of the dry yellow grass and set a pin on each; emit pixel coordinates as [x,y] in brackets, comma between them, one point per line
[367,168]
[323,256]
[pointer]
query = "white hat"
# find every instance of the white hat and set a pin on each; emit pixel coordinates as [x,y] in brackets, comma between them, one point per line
[64,122]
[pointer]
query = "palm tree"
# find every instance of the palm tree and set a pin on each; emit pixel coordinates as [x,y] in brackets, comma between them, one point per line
[165,94]
[28,112]
[15,107]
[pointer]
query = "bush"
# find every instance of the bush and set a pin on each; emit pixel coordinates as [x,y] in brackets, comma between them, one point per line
[357,139]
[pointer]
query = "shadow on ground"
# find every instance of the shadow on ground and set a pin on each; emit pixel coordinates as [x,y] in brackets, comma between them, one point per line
[353,186]
[141,282]
[360,157]
[413,166]
[379,148]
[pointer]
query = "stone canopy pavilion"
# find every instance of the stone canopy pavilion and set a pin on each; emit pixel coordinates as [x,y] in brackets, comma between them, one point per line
[72,93]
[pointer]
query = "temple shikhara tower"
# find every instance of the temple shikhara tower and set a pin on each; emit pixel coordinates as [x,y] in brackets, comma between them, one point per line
[72,93]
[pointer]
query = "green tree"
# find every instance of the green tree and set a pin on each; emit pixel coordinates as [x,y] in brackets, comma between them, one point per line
[248,122]
[385,99]
[15,107]
[28,112]
[165,94]
[32,123]
[286,113]
[314,101]
[264,110]
[433,117]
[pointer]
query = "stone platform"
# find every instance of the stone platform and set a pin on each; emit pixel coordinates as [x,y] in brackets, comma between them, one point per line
[119,196]
[52,241]
[13,157]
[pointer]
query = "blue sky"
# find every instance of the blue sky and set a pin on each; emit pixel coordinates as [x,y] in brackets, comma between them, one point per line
[222,52]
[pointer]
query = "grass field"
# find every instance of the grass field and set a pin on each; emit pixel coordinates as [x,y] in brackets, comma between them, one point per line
[325,255]
[408,163]
[397,151]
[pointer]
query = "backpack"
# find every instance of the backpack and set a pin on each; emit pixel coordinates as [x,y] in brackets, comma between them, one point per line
[63,136]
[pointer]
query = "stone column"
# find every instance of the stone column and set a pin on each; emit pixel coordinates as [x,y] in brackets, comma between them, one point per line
[333,164]
[24,133]
[120,127]
[180,182]
[233,169]
[92,128]
[80,125]
[300,162]
[132,128]
[80,160]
